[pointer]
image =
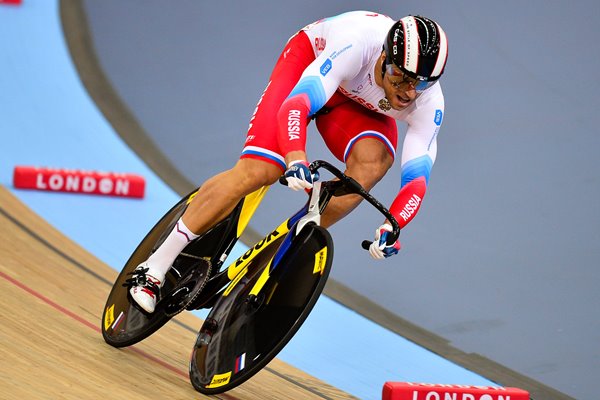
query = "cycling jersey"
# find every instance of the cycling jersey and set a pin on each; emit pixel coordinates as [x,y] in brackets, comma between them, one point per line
[343,53]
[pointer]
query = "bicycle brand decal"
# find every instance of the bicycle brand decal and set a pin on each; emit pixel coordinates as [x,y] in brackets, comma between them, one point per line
[241,262]
[109,317]
[320,259]
[220,380]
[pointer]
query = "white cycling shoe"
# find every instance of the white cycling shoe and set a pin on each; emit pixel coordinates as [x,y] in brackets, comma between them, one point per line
[144,288]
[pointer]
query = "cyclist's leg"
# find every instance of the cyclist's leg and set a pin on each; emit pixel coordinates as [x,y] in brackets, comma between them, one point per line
[368,163]
[261,164]
[215,199]
[219,195]
[363,139]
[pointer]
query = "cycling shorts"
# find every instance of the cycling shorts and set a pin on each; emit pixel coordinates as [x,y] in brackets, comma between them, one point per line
[342,122]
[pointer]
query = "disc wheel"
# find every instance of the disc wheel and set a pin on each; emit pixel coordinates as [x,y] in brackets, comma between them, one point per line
[247,328]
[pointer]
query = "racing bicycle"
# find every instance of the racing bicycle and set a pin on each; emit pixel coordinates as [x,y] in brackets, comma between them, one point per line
[257,303]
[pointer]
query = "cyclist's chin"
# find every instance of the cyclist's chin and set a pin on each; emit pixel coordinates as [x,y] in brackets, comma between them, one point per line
[398,103]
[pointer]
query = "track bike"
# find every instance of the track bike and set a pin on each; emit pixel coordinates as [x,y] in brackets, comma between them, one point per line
[257,303]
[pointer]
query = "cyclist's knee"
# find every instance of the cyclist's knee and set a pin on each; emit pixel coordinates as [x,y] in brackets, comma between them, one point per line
[369,162]
[253,174]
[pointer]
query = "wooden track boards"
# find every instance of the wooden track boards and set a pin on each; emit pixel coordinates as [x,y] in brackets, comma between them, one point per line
[52,294]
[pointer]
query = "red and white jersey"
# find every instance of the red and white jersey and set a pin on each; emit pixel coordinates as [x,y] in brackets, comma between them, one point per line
[347,48]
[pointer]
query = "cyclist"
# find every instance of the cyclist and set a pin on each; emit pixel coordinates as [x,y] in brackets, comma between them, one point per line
[336,72]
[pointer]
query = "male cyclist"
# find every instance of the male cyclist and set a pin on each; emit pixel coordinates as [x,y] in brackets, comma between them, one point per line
[355,74]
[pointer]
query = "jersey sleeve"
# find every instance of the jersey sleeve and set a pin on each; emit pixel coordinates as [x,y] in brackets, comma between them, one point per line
[339,61]
[418,155]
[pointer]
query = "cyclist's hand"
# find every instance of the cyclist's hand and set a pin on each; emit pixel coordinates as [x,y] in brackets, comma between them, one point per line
[298,175]
[379,249]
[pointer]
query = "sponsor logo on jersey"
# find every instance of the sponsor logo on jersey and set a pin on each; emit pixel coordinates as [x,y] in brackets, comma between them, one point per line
[439,115]
[326,67]
[337,53]
[358,89]
[320,43]
[294,124]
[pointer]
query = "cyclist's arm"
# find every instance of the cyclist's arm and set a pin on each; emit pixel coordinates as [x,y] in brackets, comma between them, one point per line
[418,156]
[318,83]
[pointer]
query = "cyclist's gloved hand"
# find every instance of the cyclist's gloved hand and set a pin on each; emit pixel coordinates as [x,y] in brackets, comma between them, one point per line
[298,175]
[379,249]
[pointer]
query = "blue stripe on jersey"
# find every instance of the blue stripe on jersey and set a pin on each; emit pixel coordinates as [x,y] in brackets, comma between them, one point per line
[264,155]
[413,169]
[313,88]
[372,134]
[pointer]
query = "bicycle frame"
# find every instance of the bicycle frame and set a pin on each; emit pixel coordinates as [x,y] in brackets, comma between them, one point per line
[197,280]
[269,292]
[257,303]
[310,213]
[319,197]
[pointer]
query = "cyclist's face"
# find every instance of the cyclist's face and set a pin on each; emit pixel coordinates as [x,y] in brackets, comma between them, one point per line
[399,89]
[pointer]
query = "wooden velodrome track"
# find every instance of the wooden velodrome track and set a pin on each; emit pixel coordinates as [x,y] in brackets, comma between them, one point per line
[52,293]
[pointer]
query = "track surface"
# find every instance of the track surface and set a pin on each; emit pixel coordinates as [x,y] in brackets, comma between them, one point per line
[52,294]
